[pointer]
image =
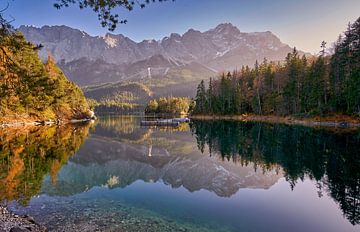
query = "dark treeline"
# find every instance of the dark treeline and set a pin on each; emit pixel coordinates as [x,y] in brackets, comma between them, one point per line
[299,86]
[331,159]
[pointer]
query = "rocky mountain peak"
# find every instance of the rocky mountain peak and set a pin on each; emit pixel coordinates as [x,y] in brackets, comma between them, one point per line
[226,28]
[192,31]
[149,41]
[175,36]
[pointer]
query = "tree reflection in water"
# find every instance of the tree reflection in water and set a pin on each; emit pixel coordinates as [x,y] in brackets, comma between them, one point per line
[331,158]
[27,155]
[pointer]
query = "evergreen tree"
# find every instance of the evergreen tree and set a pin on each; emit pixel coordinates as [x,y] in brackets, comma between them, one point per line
[200,99]
[345,71]
[211,97]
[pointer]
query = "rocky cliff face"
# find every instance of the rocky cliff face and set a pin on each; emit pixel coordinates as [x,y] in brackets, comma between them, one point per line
[222,48]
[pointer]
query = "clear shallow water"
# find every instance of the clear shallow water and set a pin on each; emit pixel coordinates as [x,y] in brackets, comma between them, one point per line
[214,176]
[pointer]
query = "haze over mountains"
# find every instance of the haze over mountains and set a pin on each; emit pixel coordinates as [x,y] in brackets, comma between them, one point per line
[195,55]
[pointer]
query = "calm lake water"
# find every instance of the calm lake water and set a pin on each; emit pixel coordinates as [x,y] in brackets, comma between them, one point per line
[114,175]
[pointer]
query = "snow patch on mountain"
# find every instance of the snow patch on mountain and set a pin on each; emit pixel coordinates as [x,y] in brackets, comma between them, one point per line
[111,42]
[220,54]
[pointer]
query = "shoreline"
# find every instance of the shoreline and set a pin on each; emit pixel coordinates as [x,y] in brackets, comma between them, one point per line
[344,123]
[41,123]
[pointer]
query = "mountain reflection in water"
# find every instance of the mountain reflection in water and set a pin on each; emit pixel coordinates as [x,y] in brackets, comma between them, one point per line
[219,157]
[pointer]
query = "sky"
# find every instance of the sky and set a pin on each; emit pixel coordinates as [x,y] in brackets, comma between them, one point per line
[299,23]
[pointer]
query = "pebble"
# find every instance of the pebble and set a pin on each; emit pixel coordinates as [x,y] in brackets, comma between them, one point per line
[18,229]
[15,223]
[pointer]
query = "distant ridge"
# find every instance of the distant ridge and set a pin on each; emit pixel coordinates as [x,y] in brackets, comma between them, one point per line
[92,60]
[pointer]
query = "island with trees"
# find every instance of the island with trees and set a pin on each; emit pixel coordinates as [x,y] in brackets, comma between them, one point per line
[169,106]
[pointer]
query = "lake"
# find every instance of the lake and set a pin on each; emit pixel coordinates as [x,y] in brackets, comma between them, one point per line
[114,175]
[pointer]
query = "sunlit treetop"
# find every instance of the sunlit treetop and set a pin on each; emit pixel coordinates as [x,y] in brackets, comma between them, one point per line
[105,9]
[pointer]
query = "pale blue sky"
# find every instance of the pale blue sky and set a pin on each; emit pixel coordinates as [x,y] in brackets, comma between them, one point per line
[300,23]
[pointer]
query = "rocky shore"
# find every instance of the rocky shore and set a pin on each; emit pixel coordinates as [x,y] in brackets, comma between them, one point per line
[43,122]
[10,222]
[27,121]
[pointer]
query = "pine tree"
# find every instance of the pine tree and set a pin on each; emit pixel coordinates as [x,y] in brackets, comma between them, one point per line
[211,97]
[200,98]
[345,71]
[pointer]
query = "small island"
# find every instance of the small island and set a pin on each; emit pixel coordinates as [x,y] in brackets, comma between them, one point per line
[169,106]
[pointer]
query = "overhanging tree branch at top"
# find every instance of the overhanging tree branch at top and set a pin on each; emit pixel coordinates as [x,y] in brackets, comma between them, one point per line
[105,9]
[5,26]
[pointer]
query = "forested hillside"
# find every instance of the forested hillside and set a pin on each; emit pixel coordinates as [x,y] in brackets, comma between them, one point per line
[31,90]
[118,98]
[327,84]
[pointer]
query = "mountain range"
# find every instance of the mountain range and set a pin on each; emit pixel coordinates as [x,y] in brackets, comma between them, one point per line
[192,56]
